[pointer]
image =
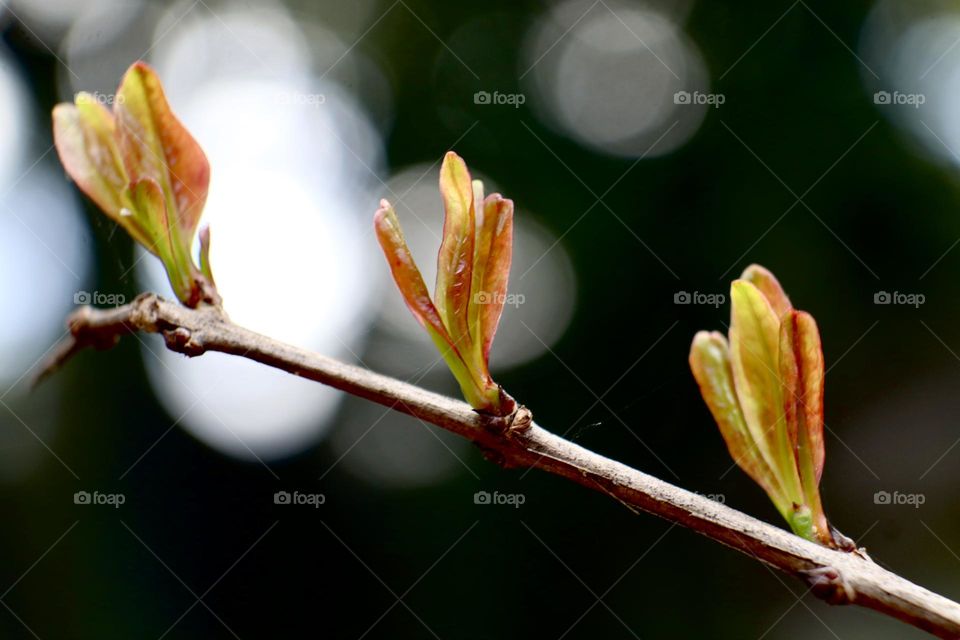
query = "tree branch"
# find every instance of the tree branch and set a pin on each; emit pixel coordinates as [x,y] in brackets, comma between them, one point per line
[838,577]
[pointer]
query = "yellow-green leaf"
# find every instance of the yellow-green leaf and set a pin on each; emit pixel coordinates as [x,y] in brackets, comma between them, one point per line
[455,259]
[710,363]
[769,286]
[84,137]
[754,350]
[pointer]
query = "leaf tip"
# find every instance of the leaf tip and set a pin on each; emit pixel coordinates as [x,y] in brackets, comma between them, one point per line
[384,216]
[769,286]
[706,344]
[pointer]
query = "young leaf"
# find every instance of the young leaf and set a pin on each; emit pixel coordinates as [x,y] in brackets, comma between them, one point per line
[205,253]
[145,171]
[405,272]
[456,256]
[155,144]
[765,391]
[414,291]
[801,366]
[754,346]
[472,269]
[491,272]
[84,137]
[710,363]
[810,357]
[769,286]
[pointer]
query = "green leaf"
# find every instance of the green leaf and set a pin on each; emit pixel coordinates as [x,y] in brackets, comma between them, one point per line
[455,259]
[710,363]
[205,253]
[148,199]
[754,348]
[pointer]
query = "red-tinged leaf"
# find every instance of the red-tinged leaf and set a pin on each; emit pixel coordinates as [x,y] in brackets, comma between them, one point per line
[801,372]
[491,270]
[84,137]
[801,369]
[776,367]
[754,351]
[455,259]
[144,170]
[790,384]
[154,144]
[477,387]
[769,286]
[710,363]
[405,271]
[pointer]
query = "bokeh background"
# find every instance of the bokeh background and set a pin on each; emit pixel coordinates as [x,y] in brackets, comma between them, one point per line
[654,149]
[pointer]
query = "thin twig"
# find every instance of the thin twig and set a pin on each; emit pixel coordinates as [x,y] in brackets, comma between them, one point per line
[838,577]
